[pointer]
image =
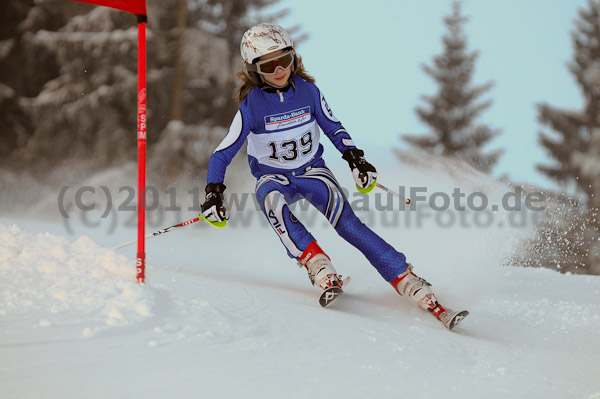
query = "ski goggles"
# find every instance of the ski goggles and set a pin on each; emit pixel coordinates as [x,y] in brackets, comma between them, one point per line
[269,67]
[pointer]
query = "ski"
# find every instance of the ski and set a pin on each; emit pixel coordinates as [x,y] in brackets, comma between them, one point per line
[329,295]
[451,318]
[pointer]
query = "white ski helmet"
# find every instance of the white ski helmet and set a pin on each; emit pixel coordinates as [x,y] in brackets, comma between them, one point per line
[263,39]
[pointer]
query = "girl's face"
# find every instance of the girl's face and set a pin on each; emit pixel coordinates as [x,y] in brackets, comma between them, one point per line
[281,76]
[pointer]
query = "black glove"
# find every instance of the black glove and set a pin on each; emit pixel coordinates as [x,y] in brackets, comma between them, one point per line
[364,174]
[213,209]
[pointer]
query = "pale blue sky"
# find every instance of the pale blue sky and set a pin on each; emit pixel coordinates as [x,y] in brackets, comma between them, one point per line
[367,59]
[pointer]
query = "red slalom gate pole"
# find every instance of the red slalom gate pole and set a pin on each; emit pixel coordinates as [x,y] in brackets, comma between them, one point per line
[140,261]
[138,8]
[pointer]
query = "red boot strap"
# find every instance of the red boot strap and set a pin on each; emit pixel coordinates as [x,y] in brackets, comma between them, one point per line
[310,251]
[405,273]
[395,281]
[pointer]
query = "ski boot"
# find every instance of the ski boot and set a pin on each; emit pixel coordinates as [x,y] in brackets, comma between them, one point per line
[418,290]
[320,270]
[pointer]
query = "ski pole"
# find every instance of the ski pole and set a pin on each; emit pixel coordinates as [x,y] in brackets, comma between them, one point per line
[387,190]
[159,232]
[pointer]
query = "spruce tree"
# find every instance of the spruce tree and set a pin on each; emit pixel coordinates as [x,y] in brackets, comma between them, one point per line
[451,113]
[575,147]
[68,81]
[575,144]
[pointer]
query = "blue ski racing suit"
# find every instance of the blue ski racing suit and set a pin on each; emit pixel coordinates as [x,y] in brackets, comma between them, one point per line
[285,156]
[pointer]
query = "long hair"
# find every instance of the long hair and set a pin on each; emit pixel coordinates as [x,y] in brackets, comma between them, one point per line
[246,82]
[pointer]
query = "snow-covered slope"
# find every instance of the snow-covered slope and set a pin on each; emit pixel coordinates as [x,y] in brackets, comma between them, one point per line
[226,314]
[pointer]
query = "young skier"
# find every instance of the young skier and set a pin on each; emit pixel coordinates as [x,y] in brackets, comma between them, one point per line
[281,111]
